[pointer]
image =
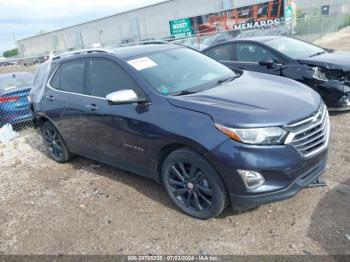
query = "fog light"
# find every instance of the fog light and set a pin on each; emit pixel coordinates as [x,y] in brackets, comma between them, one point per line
[251,179]
[345,100]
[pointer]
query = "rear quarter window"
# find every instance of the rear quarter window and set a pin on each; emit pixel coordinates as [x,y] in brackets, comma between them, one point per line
[56,79]
[221,53]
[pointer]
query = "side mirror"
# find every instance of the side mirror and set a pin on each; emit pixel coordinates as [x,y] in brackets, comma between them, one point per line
[269,63]
[123,97]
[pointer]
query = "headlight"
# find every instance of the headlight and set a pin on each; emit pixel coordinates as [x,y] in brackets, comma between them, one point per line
[319,74]
[346,89]
[255,136]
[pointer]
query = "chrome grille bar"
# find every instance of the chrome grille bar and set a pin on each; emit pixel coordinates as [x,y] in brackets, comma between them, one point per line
[310,136]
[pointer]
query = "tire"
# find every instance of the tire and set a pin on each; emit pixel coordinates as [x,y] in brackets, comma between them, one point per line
[193,184]
[55,144]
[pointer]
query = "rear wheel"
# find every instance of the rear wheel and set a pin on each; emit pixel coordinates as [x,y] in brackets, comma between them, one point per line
[55,143]
[193,185]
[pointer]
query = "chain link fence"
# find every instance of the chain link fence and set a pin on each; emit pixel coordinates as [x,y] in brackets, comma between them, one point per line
[15,114]
[309,26]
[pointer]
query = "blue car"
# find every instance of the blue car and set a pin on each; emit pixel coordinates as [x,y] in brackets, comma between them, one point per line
[14,103]
[210,135]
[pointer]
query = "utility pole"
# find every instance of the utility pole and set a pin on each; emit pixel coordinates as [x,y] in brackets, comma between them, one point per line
[16,44]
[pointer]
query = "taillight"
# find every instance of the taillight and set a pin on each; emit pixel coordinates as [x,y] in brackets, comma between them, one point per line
[4,99]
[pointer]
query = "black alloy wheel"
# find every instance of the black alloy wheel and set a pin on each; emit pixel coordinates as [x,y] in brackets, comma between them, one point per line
[54,143]
[193,184]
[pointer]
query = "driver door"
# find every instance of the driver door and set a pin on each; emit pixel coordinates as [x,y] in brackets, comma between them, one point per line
[117,131]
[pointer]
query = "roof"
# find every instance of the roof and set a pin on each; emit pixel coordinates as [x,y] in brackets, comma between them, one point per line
[261,39]
[123,52]
[138,50]
[257,38]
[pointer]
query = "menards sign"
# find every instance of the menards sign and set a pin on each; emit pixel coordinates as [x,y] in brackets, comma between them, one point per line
[258,24]
[256,16]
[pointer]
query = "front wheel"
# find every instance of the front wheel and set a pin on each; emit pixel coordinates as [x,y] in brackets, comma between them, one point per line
[193,185]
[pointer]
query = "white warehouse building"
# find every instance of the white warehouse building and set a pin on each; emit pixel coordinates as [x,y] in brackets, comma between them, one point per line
[142,23]
[150,21]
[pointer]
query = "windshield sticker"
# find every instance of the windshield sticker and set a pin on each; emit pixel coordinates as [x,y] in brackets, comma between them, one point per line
[142,63]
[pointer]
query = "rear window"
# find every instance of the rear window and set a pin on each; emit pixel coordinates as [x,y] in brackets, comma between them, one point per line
[221,53]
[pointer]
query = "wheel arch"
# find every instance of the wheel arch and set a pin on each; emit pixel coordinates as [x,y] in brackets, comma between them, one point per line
[43,119]
[169,148]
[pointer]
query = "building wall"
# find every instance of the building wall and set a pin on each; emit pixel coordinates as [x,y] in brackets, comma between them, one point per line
[152,21]
[147,22]
[302,4]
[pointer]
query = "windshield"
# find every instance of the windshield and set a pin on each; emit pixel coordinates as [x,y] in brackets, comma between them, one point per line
[294,48]
[14,80]
[181,70]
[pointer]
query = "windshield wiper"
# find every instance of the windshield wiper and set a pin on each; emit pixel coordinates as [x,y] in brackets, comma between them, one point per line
[318,53]
[225,80]
[184,92]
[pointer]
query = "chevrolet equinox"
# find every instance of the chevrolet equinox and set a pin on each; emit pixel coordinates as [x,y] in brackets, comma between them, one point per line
[210,135]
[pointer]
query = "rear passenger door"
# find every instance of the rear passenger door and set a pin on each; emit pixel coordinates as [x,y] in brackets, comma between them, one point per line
[224,54]
[68,91]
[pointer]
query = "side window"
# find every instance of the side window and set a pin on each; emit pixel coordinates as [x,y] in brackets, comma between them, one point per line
[56,80]
[247,52]
[72,77]
[221,53]
[107,77]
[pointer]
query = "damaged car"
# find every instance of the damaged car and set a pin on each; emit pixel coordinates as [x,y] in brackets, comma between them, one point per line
[324,70]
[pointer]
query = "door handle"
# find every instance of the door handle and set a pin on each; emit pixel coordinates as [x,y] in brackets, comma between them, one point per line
[50,98]
[92,107]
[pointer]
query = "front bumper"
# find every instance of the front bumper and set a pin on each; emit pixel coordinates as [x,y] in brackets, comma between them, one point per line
[334,95]
[240,203]
[286,172]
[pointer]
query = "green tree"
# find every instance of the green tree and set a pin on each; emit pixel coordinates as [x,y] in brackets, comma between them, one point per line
[10,53]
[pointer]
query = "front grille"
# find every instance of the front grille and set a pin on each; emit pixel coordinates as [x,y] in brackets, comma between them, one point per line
[310,136]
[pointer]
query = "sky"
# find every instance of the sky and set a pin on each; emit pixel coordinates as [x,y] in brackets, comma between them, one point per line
[24,18]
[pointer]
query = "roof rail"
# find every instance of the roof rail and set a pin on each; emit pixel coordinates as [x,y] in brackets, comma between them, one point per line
[79,52]
[145,42]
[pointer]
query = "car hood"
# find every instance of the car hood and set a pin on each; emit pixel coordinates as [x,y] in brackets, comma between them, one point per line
[332,61]
[253,100]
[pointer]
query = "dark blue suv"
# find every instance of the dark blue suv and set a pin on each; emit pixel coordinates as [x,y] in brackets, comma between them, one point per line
[212,136]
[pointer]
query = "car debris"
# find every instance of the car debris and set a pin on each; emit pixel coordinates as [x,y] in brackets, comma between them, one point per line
[7,133]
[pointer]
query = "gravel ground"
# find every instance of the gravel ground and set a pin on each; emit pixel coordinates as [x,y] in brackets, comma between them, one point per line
[16,68]
[88,208]
[338,40]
